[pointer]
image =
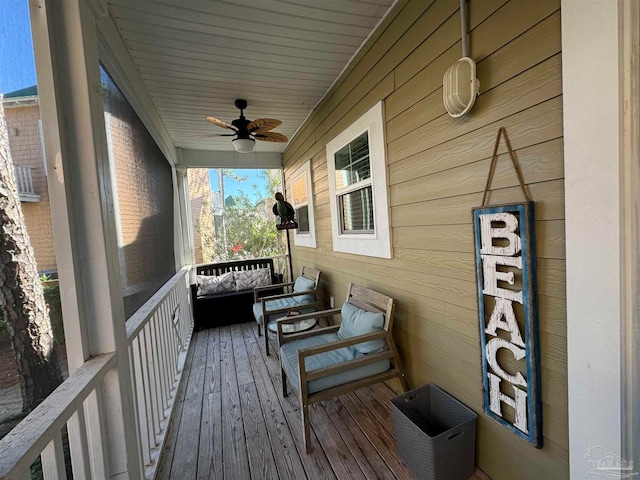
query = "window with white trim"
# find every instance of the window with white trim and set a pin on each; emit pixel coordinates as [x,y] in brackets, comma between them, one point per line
[302,202]
[358,195]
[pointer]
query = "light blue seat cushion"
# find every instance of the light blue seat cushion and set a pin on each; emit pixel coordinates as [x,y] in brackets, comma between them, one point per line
[303,284]
[356,321]
[278,304]
[289,359]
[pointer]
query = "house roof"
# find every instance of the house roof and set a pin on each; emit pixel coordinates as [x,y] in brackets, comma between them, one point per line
[31,91]
[23,97]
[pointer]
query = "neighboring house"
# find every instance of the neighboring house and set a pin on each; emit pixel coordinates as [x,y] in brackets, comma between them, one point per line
[201,213]
[22,113]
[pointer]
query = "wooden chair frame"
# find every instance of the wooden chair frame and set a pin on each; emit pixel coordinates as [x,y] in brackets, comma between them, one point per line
[307,272]
[365,299]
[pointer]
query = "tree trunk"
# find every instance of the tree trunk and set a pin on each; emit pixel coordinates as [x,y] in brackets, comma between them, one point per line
[21,293]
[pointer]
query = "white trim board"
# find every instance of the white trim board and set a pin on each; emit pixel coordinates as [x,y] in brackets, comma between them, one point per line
[592,132]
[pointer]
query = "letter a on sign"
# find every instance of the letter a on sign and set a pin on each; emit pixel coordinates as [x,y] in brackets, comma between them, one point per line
[507,307]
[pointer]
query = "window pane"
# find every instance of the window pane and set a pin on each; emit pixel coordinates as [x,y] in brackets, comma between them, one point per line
[357,210]
[300,190]
[352,162]
[302,216]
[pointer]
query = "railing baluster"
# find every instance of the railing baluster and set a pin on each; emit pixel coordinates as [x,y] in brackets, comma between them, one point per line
[164,361]
[144,378]
[53,460]
[95,434]
[78,444]
[159,384]
[141,400]
[151,362]
[24,179]
[175,345]
[164,352]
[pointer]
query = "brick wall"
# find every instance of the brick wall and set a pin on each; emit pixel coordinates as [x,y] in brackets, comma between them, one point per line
[201,214]
[26,150]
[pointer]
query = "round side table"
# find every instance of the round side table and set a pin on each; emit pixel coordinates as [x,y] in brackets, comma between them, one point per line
[301,326]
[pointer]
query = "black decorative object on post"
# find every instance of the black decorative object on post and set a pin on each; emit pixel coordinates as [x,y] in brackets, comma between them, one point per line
[285,211]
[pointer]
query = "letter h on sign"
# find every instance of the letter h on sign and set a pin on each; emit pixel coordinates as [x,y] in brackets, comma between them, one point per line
[507,307]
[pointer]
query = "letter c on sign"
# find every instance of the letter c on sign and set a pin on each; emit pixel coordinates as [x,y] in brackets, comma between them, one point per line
[492,348]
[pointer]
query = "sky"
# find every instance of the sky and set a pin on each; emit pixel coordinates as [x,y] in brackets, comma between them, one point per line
[17,67]
[233,187]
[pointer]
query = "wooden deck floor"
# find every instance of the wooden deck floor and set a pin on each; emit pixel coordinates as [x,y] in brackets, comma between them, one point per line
[231,421]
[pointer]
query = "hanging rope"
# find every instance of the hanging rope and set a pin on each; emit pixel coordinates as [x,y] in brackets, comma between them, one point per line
[494,161]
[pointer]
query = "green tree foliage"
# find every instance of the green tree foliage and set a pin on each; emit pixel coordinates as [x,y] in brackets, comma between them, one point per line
[247,228]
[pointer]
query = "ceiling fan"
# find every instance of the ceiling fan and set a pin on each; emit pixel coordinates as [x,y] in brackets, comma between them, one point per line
[248,131]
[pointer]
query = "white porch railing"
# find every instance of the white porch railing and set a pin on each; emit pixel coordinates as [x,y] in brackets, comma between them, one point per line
[158,336]
[24,182]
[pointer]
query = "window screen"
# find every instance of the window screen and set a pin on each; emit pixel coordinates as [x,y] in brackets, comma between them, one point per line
[144,199]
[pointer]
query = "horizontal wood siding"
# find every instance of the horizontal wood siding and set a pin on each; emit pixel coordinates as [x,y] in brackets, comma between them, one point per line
[437,169]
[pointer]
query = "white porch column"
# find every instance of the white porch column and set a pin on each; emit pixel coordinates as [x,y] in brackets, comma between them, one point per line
[185,226]
[72,115]
[597,267]
[178,214]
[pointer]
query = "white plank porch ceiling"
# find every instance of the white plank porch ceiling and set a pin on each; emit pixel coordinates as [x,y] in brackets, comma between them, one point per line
[197,56]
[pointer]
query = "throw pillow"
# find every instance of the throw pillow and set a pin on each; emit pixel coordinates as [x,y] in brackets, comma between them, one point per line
[208,285]
[356,321]
[249,279]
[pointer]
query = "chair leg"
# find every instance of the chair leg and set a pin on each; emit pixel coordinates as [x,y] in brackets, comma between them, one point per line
[284,383]
[403,381]
[266,339]
[259,330]
[306,431]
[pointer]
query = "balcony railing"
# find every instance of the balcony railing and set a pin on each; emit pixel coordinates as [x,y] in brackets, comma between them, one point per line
[24,181]
[158,336]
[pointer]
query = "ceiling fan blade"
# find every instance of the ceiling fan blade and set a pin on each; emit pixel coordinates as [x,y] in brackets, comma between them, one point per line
[263,124]
[260,131]
[220,123]
[271,137]
[208,135]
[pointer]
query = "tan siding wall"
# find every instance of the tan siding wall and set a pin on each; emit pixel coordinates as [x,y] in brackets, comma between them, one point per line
[26,149]
[437,169]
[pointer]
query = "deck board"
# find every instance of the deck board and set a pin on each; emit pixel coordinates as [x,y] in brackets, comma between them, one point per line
[231,421]
[234,445]
[185,460]
[210,448]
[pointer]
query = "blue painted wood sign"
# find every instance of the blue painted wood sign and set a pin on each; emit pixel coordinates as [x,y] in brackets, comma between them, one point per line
[507,305]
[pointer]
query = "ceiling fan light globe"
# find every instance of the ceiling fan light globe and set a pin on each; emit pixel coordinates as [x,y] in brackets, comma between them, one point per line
[243,145]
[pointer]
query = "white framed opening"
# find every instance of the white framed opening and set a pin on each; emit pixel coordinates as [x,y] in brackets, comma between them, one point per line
[358,192]
[302,202]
